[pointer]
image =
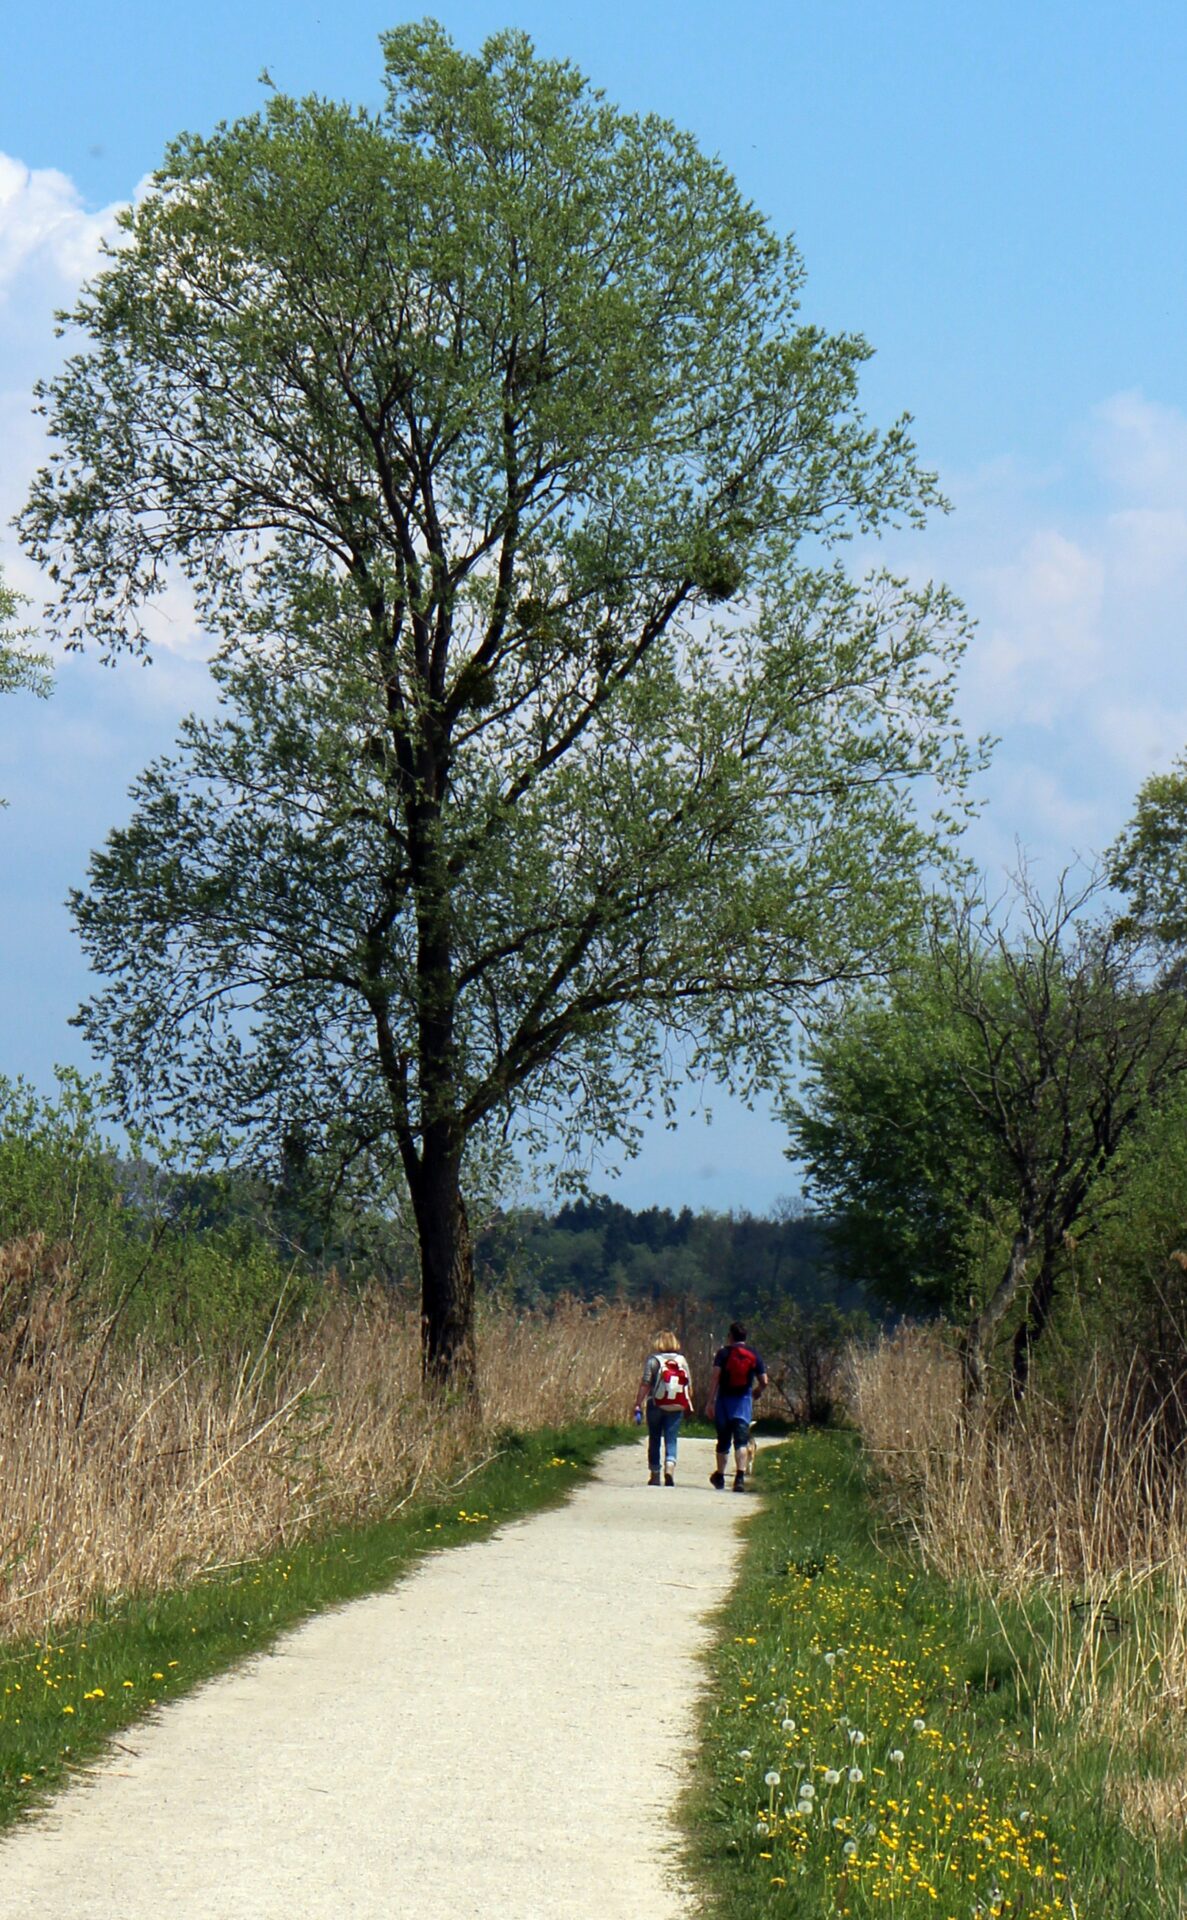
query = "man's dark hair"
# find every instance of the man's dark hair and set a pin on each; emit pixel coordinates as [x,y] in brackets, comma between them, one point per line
[737,1330]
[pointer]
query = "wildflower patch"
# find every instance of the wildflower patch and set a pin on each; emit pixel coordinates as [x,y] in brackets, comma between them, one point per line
[868,1752]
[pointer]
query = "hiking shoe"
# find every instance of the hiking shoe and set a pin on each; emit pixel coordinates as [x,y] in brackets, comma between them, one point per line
[669,1476]
[739,1483]
[717,1480]
[653,1479]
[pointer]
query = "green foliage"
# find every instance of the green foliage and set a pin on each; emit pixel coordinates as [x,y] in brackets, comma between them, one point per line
[991,1097]
[20,667]
[1127,1285]
[806,1348]
[884,1125]
[1149,861]
[120,1238]
[737,1264]
[56,1178]
[199,1255]
[488,434]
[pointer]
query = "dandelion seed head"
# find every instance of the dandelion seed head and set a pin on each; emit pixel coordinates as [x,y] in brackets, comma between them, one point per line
[856,1776]
[772,1778]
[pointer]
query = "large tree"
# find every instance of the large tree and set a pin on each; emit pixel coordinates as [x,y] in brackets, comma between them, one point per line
[558,756]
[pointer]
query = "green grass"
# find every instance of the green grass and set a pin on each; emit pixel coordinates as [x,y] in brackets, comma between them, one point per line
[938,1788]
[65,1698]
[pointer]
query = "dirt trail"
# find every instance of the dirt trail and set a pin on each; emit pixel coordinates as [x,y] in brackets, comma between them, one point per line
[499,1736]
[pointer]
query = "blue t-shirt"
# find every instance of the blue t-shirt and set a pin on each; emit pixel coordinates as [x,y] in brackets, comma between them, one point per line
[737,1406]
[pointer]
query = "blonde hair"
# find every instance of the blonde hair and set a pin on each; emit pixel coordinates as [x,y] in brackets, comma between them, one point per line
[667,1342]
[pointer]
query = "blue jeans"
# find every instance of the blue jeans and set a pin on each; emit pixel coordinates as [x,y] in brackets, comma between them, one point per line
[661,1425]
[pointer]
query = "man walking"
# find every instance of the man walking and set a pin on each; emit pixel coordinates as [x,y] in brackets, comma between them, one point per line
[739,1378]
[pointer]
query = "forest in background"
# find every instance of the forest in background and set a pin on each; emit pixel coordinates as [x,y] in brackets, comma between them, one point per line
[189,1253]
[738,1262]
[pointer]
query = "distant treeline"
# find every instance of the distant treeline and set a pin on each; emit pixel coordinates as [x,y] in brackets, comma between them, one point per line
[588,1249]
[596,1246]
[189,1253]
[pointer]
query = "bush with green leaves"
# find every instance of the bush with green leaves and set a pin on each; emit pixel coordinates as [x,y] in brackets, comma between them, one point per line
[806,1348]
[116,1239]
[1001,1084]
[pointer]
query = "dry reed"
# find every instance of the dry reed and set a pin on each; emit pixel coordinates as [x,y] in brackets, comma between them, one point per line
[1080,1514]
[122,1470]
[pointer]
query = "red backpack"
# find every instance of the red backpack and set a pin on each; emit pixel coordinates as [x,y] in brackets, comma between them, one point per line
[673,1384]
[737,1368]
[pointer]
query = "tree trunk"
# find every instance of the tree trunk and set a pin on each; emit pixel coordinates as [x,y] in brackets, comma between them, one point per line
[1038,1312]
[978,1337]
[448,1354]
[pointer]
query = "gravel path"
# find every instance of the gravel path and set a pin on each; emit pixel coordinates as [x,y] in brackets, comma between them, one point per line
[499,1736]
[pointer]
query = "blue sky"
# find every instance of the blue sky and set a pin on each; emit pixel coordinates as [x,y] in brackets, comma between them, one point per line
[993,195]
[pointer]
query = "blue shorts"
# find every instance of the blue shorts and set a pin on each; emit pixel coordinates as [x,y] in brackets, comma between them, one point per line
[732,1431]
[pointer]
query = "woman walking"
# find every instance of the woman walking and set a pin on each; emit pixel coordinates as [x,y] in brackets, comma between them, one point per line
[666,1386]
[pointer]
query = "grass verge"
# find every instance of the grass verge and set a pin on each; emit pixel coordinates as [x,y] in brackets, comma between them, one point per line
[873,1741]
[63,1699]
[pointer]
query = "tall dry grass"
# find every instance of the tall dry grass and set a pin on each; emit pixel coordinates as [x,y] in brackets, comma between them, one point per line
[1078,1512]
[122,1469]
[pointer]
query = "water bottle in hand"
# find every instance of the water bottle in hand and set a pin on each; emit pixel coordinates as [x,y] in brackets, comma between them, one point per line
[638,1416]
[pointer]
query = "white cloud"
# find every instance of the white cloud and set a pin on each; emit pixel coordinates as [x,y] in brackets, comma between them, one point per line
[171,625]
[1139,448]
[50,244]
[1054,814]
[1148,548]
[44,227]
[1077,577]
[1144,736]
[1041,628]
